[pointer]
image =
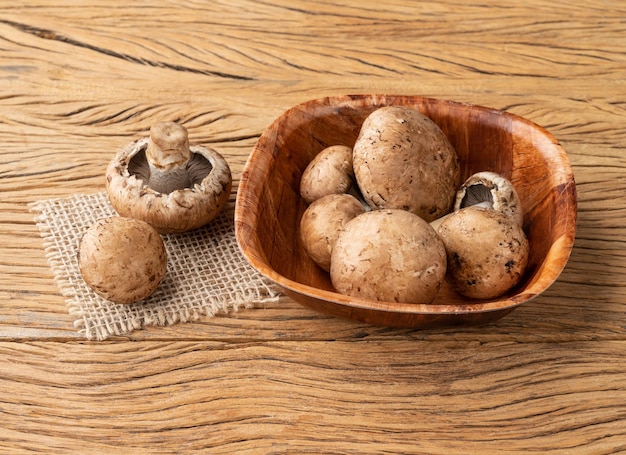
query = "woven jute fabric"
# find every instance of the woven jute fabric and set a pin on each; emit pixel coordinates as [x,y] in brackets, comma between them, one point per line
[206,272]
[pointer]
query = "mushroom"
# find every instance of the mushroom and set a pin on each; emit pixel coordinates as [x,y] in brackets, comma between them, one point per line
[165,182]
[388,255]
[322,222]
[122,259]
[487,251]
[490,190]
[330,172]
[403,160]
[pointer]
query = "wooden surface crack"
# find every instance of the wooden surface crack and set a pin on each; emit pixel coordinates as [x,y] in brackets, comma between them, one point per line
[52,35]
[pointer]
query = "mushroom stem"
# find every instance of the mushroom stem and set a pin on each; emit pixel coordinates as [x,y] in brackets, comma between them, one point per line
[167,154]
[436,223]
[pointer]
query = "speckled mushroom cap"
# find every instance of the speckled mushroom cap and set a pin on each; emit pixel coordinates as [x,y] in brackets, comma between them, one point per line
[487,251]
[178,211]
[330,172]
[403,160]
[388,255]
[122,259]
[322,222]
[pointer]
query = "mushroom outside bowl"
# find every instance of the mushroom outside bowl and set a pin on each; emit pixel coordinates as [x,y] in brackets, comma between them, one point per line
[269,205]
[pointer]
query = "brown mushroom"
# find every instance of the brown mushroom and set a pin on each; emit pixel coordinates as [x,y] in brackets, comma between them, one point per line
[122,259]
[488,190]
[487,251]
[322,222]
[403,160]
[165,182]
[493,191]
[330,172]
[388,255]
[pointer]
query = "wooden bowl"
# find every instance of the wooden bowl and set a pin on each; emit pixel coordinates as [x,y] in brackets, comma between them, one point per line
[269,206]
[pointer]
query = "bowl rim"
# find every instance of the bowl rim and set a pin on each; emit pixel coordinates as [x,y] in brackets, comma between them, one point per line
[561,247]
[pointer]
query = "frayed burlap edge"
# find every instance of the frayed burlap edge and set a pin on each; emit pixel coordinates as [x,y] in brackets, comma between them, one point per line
[207,274]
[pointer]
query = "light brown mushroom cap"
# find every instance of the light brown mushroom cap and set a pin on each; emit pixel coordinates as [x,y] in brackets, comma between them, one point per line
[490,190]
[403,160]
[388,255]
[487,251]
[122,259]
[179,211]
[322,222]
[330,172]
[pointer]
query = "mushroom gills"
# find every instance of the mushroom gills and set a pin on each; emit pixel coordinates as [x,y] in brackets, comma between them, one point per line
[479,195]
[198,167]
[186,176]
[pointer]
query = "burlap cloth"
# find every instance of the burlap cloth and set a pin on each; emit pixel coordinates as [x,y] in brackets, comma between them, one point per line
[206,271]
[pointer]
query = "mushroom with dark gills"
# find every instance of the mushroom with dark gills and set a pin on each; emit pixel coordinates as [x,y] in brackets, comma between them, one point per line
[167,183]
[490,190]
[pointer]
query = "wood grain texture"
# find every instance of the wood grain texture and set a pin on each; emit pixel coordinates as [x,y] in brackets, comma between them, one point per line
[316,397]
[79,80]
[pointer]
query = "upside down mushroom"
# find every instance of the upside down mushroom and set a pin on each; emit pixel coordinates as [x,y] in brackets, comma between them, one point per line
[493,191]
[489,190]
[167,183]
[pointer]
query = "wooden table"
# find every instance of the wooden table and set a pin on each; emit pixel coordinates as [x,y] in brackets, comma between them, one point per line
[78,80]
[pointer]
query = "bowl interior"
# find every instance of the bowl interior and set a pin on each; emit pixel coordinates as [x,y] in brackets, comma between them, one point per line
[269,206]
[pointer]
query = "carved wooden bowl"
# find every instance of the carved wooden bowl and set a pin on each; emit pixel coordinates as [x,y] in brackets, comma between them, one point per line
[269,207]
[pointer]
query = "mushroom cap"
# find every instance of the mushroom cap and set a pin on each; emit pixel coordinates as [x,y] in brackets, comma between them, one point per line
[490,190]
[388,255]
[403,160]
[487,251]
[321,223]
[122,259]
[179,211]
[329,172]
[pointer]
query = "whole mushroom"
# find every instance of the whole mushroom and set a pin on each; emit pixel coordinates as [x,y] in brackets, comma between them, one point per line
[122,259]
[388,255]
[165,182]
[322,222]
[487,251]
[329,172]
[403,160]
